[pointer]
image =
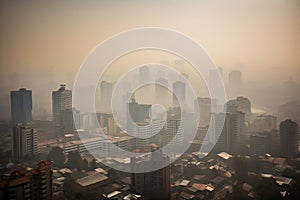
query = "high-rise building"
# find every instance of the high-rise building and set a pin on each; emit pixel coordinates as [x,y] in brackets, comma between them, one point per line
[61,100]
[107,122]
[144,74]
[24,141]
[154,184]
[21,106]
[68,119]
[138,112]
[175,130]
[260,144]
[178,93]
[233,131]
[241,104]
[204,105]
[106,89]
[15,185]
[146,132]
[161,91]
[289,138]
[41,181]
[27,184]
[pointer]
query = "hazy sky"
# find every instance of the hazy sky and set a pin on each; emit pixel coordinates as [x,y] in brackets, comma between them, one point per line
[262,37]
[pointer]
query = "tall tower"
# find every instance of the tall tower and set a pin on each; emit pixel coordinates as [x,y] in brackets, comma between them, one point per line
[235,82]
[24,141]
[178,92]
[175,130]
[61,100]
[241,104]
[289,138]
[204,104]
[233,131]
[105,96]
[144,74]
[161,91]
[21,106]
[155,184]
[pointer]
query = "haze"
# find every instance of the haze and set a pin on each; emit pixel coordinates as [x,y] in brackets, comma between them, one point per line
[44,43]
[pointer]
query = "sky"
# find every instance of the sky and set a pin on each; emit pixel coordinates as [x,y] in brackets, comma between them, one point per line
[46,42]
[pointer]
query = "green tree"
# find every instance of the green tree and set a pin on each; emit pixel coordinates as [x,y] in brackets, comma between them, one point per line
[57,155]
[74,160]
[93,164]
[85,164]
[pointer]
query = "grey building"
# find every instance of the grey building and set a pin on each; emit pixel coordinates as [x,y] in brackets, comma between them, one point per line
[21,106]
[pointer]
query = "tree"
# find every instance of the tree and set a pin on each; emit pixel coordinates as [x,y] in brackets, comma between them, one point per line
[240,166]
[85,164]
[93,164]
[57,155]
[74,160]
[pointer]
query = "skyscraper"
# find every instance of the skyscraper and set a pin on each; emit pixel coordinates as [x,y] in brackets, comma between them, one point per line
[144,74]
[41,181]
[289,138]
[68,119]
[138,112]
[161,91]
[178,93]
[204,105]
[235,78]
[260,144]
[233,131]
[61,100]
[106,89]
[241,104]
[235,82]
[175,131]
[21,106]
[24,141]
[154,184]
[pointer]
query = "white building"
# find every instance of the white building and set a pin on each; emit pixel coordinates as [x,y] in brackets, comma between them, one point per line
[24,141]
[61,100]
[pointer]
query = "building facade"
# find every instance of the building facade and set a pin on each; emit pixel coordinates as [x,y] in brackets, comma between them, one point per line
[61,101]
[21,106]
[18,183]
[24,141]
[289,138]
[154,184]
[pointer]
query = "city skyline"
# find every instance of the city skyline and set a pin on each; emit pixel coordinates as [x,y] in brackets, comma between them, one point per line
[264,46]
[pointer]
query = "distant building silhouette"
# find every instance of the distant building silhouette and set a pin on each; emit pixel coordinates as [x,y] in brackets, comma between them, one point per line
[106,89]
[204,104]
[289,138]
[141,126]
[144,74]
[24,141]
[175,132]
[21,106]
[260,144]
[241,104]
[61,101]
[178,93]
[235,82]
[161,91]
[232,133]
[154,184]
